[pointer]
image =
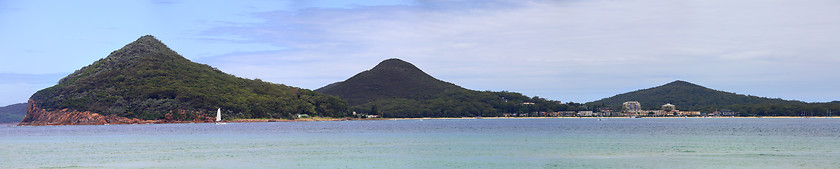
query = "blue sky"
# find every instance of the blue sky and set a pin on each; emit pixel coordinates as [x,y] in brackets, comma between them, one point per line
[572,50]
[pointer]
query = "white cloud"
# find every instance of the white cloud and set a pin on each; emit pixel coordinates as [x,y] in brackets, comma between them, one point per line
[556,49]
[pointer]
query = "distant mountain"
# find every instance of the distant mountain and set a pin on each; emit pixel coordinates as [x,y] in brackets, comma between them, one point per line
[395,88]
[12,113]
[145,80]
[392,78]
[688,96]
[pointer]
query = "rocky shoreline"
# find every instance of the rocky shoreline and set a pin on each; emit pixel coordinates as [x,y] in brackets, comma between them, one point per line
[36,116]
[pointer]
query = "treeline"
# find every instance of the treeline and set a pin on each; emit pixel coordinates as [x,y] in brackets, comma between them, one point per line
[463,103]
[761,109]
[794,109]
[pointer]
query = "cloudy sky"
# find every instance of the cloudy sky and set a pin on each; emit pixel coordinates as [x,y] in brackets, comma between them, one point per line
[568,50]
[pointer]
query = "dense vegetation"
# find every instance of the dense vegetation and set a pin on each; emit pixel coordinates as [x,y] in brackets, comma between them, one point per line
[463,104]
[688,96]
[395,88]
[146,80]
[12,113]
[392,78]
[787,109]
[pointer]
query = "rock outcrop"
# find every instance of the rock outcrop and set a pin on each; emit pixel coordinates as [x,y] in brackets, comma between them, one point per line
[36,116]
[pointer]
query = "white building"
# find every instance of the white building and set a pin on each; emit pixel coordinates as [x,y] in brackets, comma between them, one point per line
[669,107]
[632,106]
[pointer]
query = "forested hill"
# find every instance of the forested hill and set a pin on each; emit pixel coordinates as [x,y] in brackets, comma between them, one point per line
[685,95]
[12,113]
[392,78]
[688,96]
[395,88]
[147,80]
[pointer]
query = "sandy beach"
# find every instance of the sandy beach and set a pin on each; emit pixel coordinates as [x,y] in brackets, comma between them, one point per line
[665,117]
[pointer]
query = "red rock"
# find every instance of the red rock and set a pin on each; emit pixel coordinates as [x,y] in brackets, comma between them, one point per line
[36,116]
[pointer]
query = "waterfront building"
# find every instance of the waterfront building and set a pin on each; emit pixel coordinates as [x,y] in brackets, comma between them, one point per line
[632,106]
[724,112]
[585,113]
[690,113]
[669,107]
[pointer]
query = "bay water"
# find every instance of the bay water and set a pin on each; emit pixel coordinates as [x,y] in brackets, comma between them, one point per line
[433,143]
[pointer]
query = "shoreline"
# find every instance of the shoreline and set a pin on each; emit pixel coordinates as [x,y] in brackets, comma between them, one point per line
[618,117]
[434,118]
[288,120]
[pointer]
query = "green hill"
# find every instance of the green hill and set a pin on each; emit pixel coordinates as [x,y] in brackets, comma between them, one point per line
[147,80]
[395,88]
[688,96]
[12,113]
[392,78]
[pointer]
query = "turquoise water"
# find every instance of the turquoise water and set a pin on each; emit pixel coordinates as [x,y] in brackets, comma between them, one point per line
[475,143]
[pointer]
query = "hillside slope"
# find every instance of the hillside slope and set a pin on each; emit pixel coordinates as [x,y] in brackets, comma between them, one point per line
[395,88]
[689,96]
[12,113]
[146,80]
[392,78]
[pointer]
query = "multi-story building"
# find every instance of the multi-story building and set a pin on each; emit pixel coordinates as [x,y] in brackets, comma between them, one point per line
[632,106]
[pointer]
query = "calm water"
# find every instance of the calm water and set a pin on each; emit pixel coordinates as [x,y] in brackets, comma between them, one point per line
[482,143]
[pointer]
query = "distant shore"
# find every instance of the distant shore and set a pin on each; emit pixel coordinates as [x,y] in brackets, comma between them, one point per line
[443,118]
[291,120]
[614,117]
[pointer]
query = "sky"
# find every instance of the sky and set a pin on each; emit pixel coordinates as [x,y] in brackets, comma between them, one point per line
[567,50]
